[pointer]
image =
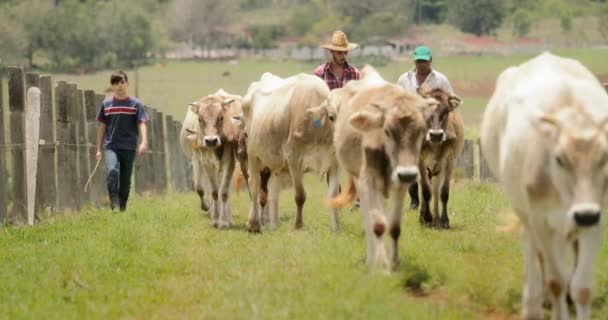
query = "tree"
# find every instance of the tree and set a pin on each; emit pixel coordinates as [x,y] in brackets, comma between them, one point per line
[202,22]
[476,16]
[522,21]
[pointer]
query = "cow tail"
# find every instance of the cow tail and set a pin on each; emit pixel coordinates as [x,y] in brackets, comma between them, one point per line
[348,195]
[238,179]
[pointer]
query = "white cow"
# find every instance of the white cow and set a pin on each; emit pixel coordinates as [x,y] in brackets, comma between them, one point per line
[289,131]
[211,139]
[544,136]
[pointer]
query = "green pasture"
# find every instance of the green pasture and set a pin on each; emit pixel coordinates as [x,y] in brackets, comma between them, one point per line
[170,85]
[163,260]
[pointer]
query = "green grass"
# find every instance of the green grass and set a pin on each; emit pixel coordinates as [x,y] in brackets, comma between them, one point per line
[162,259]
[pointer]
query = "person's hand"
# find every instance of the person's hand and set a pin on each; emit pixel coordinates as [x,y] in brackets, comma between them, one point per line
[143,147]
[98,155]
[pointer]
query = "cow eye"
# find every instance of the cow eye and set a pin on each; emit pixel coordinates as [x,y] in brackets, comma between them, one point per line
[387,133]
[560,162]
[221,118]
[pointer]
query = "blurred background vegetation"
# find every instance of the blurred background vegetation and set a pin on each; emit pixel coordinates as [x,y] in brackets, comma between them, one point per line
[79,36]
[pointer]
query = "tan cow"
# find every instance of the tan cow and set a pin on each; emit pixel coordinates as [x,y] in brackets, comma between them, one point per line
[289,131]
[378,136]
[544,137]
[210,137]
[442,146]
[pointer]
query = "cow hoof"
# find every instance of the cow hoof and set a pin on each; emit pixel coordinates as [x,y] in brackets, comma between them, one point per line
[215,224]
[224,225]
[254,227]
[444,225]
[204,206]
[299,225]
[414,205]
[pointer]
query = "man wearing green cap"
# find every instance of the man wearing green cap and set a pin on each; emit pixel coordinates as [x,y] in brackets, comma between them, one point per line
[422,73]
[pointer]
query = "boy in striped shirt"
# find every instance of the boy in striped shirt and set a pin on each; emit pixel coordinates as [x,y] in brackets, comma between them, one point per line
[122,119]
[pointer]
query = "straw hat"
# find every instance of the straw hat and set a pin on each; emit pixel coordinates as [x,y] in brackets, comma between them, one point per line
[339,42]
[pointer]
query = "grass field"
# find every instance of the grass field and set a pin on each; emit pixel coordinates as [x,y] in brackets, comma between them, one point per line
[163,260]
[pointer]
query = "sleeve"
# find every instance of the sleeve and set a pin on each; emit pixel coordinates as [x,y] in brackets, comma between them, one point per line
[142,115]
[101,116]
[319,71]
[446,86]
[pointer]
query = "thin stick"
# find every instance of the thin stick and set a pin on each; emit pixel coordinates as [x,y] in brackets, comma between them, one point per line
[92,174]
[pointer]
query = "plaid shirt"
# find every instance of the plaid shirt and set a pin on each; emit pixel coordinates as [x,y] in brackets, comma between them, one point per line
[349,73]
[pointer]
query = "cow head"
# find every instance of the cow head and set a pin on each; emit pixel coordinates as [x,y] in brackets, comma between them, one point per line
[577,146]
[437,118]
[393,131]
[210,111]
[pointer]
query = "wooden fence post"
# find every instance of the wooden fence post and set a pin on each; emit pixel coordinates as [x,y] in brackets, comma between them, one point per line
[16,101]
[485,175]
[64,195]
[32,138]
[46,194]
[144,164]
[96,186]
[31,133]
[3,171]
[161,155]
[82,142]
[172,143]
[185,171]
[74,176]
[465,160]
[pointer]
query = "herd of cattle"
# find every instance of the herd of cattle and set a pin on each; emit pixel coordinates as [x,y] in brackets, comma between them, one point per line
[543,135]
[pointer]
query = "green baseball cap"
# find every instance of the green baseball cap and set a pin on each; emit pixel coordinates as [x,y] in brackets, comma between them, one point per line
[422,53]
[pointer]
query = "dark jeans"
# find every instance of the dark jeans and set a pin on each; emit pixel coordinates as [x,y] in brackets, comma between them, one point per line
[119,166]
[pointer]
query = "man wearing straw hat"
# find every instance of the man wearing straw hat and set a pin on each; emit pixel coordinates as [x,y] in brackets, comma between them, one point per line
[337,71]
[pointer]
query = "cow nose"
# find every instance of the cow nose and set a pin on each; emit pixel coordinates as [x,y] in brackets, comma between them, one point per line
[435,135]
[586,218]
[407,174]
[211,141]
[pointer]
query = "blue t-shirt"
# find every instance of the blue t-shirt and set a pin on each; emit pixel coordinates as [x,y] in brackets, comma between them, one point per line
[121,118]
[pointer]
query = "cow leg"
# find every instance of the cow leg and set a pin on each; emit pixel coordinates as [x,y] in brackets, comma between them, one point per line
[274,189]
[414,198]
[425,212]
[253,222]
[375,225]
[532,299]
[198,178]
[295,169]
[264,179]
[435,183]
[228,164]
[444,221]
[332,192]
[396,210]
[215,205]
[554,265]
[589,244]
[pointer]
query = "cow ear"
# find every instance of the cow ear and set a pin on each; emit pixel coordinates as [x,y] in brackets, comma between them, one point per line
[237,120]
[454,102]
[366,121]
[227,102]
[194,107]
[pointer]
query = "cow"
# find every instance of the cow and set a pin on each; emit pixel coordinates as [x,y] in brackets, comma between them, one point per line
[378,136]
[289,131]
[544,136]
[211,138]
[441,147]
